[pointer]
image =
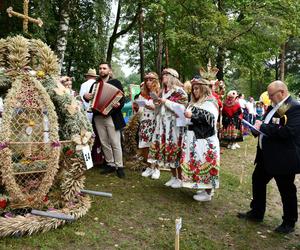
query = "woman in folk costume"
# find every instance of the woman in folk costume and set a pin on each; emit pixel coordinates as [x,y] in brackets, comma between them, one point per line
[200,160]
[232,129]
[147,119]
[165,150]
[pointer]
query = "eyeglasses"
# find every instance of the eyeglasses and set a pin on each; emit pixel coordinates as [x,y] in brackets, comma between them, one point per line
[273,94]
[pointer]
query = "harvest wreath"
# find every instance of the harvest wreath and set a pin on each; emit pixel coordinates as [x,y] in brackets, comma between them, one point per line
[42,130]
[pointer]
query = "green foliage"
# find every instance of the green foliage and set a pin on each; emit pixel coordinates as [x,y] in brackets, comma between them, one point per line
[87,37]
[250,32]
[245,36]
[10,26]
[131,79]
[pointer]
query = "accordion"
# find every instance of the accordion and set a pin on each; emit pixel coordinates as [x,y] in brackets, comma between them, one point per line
[105,97]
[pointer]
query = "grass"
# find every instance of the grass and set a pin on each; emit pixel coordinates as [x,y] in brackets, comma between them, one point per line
[142,213]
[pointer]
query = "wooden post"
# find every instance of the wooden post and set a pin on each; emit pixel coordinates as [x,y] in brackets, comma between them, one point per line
[178,224]
[243,166]
[24,16]
[25,20]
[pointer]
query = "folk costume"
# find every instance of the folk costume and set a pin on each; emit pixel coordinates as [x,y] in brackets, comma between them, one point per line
[166,147]
[147,120]
[200,160]
[232,128]
[147,123]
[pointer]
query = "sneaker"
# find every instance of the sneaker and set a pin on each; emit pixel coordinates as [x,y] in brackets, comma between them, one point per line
[170,182]
[204,196]
[212,192]
[233,146]
[229,146]
[200,191]
[237,145]
[120,172]
[148,172]
[156,174]
[177,183]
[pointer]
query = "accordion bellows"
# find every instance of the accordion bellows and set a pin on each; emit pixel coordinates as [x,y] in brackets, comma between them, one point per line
[106,96]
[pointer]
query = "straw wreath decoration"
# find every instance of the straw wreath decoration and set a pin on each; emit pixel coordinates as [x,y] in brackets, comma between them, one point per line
[40,167]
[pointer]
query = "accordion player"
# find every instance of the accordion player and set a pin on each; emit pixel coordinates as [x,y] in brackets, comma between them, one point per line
[105,97]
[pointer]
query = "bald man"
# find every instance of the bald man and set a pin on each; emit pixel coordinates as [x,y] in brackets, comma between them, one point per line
[278,157]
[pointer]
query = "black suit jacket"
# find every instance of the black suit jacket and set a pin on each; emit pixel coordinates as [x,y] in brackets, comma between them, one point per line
[115,113]
[280,153]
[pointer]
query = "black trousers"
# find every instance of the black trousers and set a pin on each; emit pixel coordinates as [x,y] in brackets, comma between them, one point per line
[286,187]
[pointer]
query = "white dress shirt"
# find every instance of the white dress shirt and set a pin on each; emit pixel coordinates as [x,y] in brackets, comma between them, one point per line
[85,88]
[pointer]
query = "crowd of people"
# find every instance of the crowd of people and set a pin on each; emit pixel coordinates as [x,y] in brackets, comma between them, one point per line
[187,144]
[181,128]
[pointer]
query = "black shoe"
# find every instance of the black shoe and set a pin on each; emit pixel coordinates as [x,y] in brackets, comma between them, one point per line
[102,165]
[120,172]
[249,216]
[285,228]
[107,169]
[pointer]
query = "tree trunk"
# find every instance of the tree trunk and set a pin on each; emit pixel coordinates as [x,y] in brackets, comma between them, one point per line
[276,68]
[282,62]
[68,66]
[159,53]
[251,82]
[115,35]
[167,55]
[62,33]
[220,60]
[141,42]
[220,63]
[113,38]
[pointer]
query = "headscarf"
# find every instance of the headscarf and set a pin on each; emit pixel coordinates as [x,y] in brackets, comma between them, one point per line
[231,98]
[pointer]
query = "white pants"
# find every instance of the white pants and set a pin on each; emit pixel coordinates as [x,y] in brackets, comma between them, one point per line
[110,139]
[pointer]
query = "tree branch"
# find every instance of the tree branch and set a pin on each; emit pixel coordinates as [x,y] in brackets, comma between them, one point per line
[241,34]
[115,35]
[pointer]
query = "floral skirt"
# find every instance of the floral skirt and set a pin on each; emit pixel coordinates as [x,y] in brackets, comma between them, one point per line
[200,162]
[166,147]
[146,131]
[231,133]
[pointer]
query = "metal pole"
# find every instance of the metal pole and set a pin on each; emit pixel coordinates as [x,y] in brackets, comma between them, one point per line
[84,191]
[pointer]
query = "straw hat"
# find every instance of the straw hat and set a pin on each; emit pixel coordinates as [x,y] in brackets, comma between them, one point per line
[91,72]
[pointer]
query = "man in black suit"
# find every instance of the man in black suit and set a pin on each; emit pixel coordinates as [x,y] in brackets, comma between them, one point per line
[109,127]
[278,157]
